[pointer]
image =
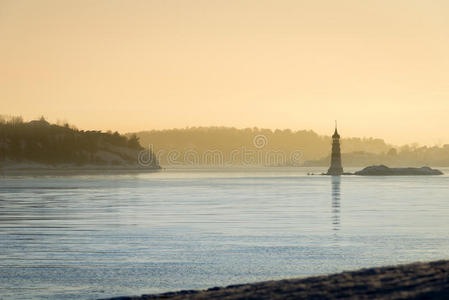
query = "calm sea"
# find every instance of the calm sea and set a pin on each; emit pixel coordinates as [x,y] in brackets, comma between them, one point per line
[94,236]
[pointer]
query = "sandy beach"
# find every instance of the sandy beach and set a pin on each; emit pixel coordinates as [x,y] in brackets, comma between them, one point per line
[412,281]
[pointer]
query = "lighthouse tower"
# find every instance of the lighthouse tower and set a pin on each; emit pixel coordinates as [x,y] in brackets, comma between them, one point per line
[335,169]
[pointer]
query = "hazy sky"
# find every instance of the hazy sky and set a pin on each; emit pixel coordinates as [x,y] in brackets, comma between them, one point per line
[380,67]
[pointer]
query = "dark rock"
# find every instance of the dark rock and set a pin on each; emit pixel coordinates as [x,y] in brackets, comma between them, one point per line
[386,171]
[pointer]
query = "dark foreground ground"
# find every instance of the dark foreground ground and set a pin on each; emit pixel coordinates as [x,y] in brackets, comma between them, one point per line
[412,281]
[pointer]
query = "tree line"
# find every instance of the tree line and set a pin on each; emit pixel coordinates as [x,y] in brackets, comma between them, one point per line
[40,141]
[314,148]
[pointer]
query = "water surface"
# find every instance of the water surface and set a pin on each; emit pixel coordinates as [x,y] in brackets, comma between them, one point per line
[94,236]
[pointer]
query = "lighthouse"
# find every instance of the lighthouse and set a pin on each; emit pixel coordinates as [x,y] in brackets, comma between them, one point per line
[335,169]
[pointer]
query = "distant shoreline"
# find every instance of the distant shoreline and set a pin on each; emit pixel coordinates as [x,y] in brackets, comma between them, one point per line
[69,170]
[429,280]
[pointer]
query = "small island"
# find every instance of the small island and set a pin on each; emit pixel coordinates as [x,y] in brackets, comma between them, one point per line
[386,171]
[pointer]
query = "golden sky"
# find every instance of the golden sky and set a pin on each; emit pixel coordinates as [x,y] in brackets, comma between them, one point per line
[380,67]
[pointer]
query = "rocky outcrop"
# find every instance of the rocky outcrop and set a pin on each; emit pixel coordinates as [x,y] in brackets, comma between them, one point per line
[386,171]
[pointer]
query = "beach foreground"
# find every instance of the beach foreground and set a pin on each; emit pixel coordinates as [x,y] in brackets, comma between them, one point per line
[412,281]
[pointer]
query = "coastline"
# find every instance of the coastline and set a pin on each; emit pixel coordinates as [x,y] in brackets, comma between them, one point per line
[40,169]
[421,280]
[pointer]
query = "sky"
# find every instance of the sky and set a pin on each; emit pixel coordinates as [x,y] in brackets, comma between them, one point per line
[381,68]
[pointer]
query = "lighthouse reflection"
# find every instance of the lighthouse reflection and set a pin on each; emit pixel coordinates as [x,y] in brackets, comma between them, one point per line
[336,182]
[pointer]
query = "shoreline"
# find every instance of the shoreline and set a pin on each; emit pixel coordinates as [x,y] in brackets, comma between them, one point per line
[421,280]
[71,170]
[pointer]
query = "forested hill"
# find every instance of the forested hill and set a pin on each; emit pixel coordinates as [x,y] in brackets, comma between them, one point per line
[41,143]
[253,146]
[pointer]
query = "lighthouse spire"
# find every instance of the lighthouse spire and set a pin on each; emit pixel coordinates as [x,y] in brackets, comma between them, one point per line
[336,135]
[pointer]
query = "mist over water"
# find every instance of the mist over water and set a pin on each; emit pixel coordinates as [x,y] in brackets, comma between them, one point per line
[84,237]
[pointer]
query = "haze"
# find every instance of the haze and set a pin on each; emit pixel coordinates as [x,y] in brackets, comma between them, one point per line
[380,67]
